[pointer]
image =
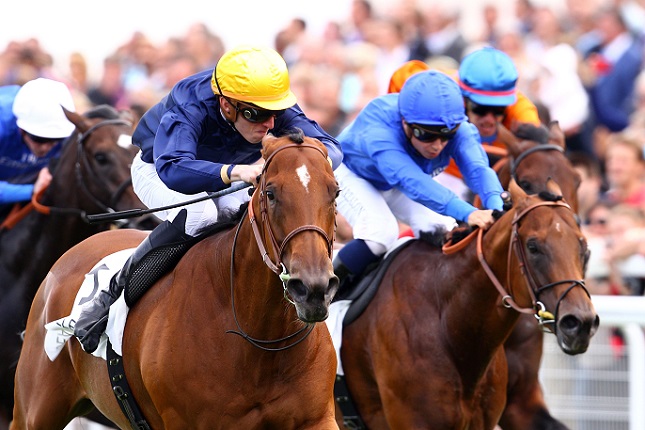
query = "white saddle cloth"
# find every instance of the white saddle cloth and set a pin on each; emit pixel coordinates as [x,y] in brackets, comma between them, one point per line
[59,331]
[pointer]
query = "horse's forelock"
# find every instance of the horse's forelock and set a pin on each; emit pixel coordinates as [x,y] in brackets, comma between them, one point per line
[296,135]
[549,196]
[532,132]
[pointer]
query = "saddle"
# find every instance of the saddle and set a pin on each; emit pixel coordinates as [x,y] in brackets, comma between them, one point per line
[361,290]
[160,261]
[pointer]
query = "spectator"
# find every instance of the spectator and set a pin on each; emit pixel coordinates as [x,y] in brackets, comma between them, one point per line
[361,14]
[625,252]
[441,34]
[625,170]
[591,182]
[561,90]
[609,70]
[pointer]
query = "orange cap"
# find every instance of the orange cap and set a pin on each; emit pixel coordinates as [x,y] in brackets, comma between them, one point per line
[403,73]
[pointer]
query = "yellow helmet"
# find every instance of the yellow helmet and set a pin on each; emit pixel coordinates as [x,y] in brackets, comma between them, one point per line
[254,75]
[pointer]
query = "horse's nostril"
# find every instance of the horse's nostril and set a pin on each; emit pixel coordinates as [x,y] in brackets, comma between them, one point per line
[296,288]
[569,324]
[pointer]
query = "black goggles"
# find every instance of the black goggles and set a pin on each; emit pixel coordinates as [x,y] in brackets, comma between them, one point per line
[42,140]
[483,110]
[254,114]
[430,133]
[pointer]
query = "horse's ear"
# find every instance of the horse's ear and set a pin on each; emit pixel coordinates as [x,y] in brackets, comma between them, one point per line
[556,135]
[75,119]
[517,193]
[553,187]
[510,141]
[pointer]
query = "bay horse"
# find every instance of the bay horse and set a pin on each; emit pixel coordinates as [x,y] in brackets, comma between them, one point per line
[533,155]
[428,351]
[92,175]
[268,279]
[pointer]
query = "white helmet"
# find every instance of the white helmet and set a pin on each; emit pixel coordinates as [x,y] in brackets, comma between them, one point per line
[38,111]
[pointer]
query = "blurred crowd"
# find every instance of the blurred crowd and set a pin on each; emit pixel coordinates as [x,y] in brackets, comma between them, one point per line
[581,64]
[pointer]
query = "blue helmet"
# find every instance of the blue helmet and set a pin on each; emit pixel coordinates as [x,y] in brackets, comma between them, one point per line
[431,98]
[488,77]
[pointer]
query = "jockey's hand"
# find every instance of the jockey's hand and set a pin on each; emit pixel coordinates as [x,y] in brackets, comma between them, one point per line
[481,218]
[43,180]
[246,172]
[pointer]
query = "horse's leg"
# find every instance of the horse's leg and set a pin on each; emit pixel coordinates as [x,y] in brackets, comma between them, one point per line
[47,394]
[526,407]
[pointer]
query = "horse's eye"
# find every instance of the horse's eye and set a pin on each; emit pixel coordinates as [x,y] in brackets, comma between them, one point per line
[101,158]
[270,195]
[337,193]
[532,246]
[526,186]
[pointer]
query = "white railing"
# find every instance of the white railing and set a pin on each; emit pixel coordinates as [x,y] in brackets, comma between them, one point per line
[560,373]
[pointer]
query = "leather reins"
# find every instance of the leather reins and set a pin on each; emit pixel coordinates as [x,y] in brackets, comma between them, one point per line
[277,267]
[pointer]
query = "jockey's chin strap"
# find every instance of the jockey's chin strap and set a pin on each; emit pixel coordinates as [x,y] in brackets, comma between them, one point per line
[537,307]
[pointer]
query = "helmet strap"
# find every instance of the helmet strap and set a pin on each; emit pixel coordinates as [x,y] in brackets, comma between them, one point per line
[229,114]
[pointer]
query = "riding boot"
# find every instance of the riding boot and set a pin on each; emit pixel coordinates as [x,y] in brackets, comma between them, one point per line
[345,278]
[350,263]
[93,319]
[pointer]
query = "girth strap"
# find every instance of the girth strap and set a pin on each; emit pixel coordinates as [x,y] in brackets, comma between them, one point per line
[351,419]
[122,391]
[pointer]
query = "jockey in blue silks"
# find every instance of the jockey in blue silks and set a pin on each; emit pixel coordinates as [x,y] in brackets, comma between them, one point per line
[392,151]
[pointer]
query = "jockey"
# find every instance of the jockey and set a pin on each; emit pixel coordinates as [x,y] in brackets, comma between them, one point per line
[392,150]
[487,78]
[32,128]
[200,138]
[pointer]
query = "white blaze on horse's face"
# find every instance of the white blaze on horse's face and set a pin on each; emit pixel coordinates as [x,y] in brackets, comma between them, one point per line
[557,227]
[304,176]
[124,141]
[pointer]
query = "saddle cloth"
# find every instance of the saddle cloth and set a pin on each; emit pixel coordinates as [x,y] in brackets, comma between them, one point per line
[59,331]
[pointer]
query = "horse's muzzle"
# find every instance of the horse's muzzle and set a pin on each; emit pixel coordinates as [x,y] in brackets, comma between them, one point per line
[574,333]
[312,297]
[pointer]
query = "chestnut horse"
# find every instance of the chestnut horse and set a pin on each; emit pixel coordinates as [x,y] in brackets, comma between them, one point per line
[428,351]
[269,280]
[534,155]
[92,175]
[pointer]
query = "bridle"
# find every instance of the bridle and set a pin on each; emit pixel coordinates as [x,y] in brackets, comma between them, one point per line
[82,160]
[276,265]
[515,161]
[537,307]
[82,156]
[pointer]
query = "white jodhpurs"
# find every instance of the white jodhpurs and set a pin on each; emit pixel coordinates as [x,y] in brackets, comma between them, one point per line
[374,214]
[154,193]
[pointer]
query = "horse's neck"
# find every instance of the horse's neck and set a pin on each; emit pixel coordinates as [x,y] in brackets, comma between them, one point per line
[258,291]
[476,311]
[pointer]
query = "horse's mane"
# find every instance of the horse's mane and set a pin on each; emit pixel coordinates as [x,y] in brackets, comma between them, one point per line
[435,238]
[532,132]
[102,111]
[440,237]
